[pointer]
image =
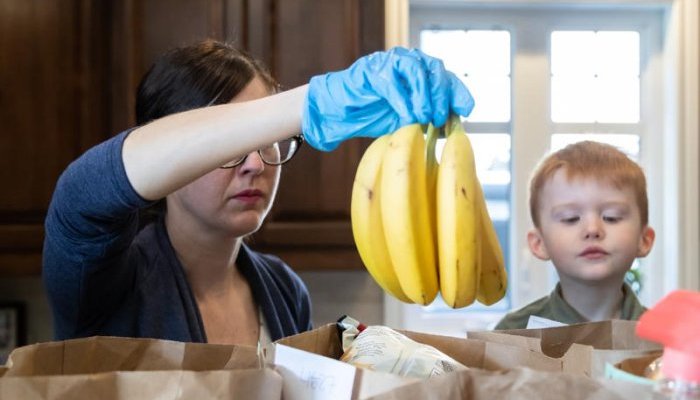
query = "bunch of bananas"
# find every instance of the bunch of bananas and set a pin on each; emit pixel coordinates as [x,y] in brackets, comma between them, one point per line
[421,227]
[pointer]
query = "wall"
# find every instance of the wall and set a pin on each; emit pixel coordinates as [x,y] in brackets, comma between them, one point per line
[30,291]
[335,293]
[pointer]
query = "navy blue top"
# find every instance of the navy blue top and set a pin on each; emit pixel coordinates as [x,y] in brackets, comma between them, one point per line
[105,277]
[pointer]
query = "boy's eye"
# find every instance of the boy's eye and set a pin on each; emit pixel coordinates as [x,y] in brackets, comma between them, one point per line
[570,220]
[611,218]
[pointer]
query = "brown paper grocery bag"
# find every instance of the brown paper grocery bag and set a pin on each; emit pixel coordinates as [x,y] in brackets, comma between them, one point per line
[487,355]
[583,348]
[473,353]
[315,370]
[106,354]
[638,365]
[515,384]
[147,385]
[310,368]
[635,369]
[116,368]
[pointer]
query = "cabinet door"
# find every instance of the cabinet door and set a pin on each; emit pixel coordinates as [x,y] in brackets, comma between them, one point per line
[52,107]
[309,226]
[69,71]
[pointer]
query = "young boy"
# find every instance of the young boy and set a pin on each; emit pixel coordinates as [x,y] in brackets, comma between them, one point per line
[589,208]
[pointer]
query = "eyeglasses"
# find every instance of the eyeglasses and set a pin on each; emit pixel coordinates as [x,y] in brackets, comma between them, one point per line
[276,154]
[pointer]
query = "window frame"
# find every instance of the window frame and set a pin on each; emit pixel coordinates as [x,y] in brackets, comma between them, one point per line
[528,279]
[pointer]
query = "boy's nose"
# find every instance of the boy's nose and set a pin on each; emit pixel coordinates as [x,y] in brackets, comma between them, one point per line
[593,235]
[593,229]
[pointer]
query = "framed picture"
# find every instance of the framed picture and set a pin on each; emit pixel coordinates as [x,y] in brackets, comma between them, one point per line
[13,332]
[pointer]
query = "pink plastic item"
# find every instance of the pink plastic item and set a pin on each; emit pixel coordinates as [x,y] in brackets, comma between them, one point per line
[675,323]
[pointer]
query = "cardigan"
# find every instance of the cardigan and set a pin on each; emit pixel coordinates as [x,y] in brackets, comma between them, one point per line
[105,276]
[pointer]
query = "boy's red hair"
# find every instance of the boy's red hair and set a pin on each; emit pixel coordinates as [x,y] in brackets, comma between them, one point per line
[589,159]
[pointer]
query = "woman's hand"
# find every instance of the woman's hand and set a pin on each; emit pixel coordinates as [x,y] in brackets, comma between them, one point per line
[380,93]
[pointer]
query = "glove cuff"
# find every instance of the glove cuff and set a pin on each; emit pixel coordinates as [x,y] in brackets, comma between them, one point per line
[311,121]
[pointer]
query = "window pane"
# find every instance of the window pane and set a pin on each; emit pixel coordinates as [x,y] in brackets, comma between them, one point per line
[617,99]
[573,100]
[618,53]
[492,156]
[447,45]
[628,144]
[487,52]
[591,53]
[573,52]
[471,52]
[481,58]
[595,76]
[491,96]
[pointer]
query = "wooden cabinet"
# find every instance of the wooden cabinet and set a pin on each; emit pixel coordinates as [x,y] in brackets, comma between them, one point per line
[68,73]
[52,107]
[310,222]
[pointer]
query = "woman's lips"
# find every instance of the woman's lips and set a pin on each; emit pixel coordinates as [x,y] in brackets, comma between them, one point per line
[249,196]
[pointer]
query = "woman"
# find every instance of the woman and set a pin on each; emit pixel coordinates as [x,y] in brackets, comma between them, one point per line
[208,142]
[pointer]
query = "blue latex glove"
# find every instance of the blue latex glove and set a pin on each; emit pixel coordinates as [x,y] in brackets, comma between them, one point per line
[378,94]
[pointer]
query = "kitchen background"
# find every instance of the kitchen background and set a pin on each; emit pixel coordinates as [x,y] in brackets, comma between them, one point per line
[69,68]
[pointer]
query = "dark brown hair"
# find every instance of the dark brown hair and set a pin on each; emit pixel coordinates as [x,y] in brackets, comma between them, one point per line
[202,74]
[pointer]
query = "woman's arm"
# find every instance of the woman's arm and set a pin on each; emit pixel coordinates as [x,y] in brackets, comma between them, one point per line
[90,224]
[376,95]
[168,153]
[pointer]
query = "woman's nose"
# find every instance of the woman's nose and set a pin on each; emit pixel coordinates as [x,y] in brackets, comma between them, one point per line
[252,163]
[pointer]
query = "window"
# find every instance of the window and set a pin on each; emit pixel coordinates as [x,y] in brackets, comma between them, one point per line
[542,76]
[595,76]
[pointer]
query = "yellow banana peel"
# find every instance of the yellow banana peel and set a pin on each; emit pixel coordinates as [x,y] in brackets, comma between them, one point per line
[421,227]
[367,225]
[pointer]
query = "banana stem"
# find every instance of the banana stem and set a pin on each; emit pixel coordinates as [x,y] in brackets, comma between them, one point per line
[430,144]
[454,125]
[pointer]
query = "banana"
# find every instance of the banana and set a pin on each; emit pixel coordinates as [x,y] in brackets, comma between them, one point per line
[420,227]
[367,226]
[493,278]
[458,219]
[405,214]
[431,170]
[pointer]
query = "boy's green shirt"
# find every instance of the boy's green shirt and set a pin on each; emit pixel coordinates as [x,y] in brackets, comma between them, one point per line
[554,307]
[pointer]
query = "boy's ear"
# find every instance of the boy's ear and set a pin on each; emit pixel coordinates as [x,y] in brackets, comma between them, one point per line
[646,241]
[536,244]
